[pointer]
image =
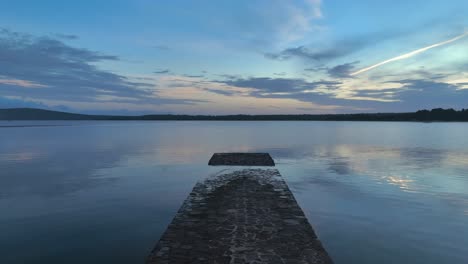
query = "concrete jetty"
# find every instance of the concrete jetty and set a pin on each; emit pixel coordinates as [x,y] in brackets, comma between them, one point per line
[241,159]
[240,215]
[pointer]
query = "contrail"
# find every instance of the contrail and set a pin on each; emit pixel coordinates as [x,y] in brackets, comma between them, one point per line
[410,54]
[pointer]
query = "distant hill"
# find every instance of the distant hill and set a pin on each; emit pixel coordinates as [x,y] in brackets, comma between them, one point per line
[41,114]
[437,114]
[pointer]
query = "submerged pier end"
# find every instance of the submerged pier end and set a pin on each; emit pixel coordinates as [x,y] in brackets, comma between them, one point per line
[245,215]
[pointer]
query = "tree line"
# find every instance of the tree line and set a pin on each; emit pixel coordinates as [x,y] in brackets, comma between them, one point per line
[437,114]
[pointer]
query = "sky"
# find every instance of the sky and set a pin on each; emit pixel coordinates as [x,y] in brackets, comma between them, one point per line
[234,57]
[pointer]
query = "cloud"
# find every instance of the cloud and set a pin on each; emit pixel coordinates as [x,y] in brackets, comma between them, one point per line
[18,103]
[67,36]
[262,24]
[277,85]
[322,91]
[423,93]
[60,72]
[279,73]
[416,94]
[404,95]
[342,71]
[410,54]
[162,71]
[337,48]
[420,73]
[194,76]
[21,83]
[299,19]
[382,94]
[317,69]
[221,92]
[229,76]
[161,47]
[334,50]
[306,53]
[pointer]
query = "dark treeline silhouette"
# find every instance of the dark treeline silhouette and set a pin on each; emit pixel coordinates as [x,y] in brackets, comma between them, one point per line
[437,114]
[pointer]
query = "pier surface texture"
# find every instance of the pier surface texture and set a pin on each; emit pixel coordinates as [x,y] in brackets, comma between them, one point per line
[240,216]
[241,159]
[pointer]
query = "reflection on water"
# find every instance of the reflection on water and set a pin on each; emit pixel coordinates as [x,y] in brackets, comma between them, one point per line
[403,184]
[375,192]
[340,166]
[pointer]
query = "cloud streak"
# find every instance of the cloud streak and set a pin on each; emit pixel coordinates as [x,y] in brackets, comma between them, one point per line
[410,54]
[21,83]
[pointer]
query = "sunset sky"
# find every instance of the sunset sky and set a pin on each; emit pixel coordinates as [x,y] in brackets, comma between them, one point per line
[234,57]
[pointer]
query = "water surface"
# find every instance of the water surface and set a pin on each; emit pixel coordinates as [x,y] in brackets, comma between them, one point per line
[103,192]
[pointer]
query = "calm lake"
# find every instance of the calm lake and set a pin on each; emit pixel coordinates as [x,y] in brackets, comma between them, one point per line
[103,192]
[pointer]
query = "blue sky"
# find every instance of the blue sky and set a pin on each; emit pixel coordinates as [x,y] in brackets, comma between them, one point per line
[230,57]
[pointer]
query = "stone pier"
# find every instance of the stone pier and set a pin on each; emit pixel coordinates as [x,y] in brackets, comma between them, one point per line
[245,215]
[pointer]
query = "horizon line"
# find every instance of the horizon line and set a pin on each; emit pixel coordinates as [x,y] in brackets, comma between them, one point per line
[226,115]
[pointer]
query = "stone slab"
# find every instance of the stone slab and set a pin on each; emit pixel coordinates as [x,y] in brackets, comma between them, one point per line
[241,159]
[240,216]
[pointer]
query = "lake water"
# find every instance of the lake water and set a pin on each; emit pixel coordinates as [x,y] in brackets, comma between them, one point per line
[103,192]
